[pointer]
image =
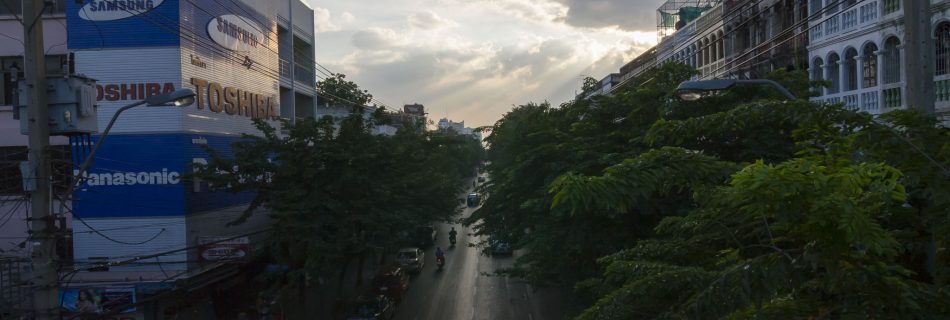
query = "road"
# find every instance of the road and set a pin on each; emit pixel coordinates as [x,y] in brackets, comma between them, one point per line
[464,290]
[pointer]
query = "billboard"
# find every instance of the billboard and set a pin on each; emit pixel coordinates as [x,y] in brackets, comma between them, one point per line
[148,175]
[223,248]
[97,300]
[98,24]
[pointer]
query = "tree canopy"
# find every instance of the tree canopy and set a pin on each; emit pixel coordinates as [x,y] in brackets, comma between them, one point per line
[739,205]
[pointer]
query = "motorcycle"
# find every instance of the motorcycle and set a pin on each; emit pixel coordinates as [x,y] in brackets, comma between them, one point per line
[440,261]
[452,240]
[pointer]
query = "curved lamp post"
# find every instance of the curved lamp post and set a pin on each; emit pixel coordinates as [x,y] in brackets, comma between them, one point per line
[694,90]
[178,98]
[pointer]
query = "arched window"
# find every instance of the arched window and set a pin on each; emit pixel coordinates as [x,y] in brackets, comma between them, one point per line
[833,73]
[721,46]
[892,61]
[869,65]
[713,42]
[942,46]
[851,70]
[814,6]
[817,69]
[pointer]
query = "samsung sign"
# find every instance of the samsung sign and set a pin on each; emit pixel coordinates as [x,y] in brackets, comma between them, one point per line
[106,10]
[235,33]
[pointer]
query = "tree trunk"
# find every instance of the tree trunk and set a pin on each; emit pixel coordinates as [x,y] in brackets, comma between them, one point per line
[359,268]
[340,280]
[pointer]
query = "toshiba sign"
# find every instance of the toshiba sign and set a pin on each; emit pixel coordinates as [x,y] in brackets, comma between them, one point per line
[233,101]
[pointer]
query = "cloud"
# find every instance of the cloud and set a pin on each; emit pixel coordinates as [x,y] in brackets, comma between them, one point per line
[631,15]
[428,20]
[375,38]
[322,22]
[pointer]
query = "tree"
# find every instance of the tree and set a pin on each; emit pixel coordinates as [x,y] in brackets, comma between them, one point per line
[789,209]
[337,193]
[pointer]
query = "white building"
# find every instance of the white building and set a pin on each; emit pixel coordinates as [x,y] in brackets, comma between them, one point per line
[246,59]
[858,46]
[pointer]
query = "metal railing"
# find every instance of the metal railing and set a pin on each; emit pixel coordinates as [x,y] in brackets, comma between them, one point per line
[890,6]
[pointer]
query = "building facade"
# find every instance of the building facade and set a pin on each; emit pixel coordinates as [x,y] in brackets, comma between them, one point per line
[246,60]
[858,48]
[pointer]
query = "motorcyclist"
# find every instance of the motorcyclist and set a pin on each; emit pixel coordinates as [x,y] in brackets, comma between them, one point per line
[452,234]
[439,255]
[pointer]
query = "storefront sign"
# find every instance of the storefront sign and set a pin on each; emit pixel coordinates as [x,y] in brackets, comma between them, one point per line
[131,91]
[233,101]
[97,300]
[235,33]
[222,248]
[106,10]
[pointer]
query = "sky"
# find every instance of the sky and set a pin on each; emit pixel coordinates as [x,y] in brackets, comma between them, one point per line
[474,60]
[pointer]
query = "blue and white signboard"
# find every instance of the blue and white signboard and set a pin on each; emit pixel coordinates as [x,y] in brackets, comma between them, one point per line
[147,175]
[96,24]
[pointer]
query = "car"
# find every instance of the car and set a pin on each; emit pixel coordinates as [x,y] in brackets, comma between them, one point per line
[413,259]
[473,199]
[425,236]
[377,307]
[481,178]
[499,246]
[392,282]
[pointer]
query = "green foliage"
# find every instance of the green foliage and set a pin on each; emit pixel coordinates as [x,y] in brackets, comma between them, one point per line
[736,206]
[343,92]
[336,191]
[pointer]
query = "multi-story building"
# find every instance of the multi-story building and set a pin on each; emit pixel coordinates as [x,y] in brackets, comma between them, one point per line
[762,36]
[246,60]
[858,48]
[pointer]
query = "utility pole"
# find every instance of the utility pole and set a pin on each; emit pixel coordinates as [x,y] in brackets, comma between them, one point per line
[919,56]
[45,282]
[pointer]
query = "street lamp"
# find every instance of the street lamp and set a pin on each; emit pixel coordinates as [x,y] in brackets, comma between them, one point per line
[177,98]
[694,90]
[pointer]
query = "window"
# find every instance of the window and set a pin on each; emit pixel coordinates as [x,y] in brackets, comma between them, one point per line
[892,61]
[942,46]
[869,65]
[817,70]
[14,7]
[851,70]
[833,73]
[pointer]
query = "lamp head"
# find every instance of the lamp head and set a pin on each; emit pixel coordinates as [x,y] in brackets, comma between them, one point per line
[178,98]
[694,90]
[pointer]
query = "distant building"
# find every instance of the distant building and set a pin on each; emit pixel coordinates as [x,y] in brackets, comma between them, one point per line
[415,109]
[445,125]
[395,119]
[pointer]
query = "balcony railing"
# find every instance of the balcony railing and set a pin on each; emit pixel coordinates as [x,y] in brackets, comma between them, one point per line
[942,88]
[852,19]
[892,95]
[285,68]
[891,6]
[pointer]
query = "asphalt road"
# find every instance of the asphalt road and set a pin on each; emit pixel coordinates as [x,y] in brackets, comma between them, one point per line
[464,288]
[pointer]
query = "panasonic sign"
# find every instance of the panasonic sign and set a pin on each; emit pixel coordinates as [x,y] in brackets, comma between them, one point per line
[163,177]
[107,10]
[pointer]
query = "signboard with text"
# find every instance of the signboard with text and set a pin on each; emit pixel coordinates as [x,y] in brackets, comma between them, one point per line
[212,249]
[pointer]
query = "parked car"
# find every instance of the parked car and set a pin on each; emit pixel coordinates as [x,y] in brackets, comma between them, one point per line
[473,199]
[481,178]
[392,282]
[413,259]
[499,246]
[425,236]
[377,307]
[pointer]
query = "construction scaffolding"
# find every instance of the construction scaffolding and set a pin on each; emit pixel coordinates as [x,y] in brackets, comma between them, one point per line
[675,14]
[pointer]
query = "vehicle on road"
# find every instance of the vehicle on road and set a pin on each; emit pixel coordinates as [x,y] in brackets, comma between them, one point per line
[424,236]
[499,247]
[481,178]
[440,261]
[473,199]
[377,307]
[413,259]
[392,282]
